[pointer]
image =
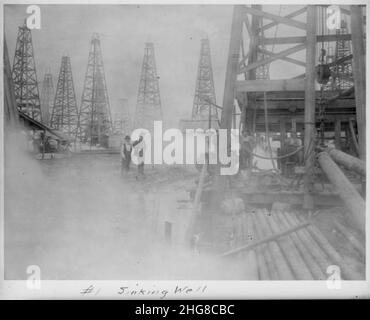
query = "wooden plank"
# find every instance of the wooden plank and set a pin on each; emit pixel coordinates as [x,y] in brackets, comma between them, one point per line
[302,39]
[269,85]
[273,57]
[274,17]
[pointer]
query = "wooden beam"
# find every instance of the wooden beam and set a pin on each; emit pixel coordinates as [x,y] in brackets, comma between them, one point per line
[290,15]
[274,17]
[338,131]
[353,136]
[310,103]
[287,59]
[292,40]
[232,68]
[269,85]
[248,25]
[359,73]
[273,57]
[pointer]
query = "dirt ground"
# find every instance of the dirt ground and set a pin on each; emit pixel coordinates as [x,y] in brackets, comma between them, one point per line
[79,218]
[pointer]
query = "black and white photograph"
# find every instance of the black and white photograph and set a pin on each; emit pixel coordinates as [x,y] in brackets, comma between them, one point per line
[186,150]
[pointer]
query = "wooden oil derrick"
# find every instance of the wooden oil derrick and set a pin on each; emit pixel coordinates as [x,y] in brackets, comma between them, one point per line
[64,116]
[95,121]
[148,107]
[205,97]
[11,118]
[47,98]
[25,76]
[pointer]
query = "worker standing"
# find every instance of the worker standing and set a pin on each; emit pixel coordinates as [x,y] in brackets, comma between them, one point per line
[126,150]
[246,150]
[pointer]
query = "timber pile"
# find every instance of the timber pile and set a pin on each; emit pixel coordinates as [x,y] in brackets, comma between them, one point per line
[301,253]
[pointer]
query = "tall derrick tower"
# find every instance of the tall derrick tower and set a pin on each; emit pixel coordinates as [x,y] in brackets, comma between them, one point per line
[95,121]
[342,73]
[148,107]
[47,97]
[24,75]
[65,114]
[205,97]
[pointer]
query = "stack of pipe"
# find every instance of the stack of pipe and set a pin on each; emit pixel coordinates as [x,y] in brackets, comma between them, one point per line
[348,193]
[304,254]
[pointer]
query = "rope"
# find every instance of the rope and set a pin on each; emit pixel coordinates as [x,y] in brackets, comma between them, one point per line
[278,157]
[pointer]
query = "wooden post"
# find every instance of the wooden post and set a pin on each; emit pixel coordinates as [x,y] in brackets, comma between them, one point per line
[338,135]
[294,125]
[232,68]
[359,74]
[282,133]
[353,136]
[309,112]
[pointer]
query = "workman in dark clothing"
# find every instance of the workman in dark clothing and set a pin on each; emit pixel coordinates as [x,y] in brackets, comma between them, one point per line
[126,150]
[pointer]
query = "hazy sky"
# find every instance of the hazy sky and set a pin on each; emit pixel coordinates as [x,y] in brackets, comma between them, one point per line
[176,31]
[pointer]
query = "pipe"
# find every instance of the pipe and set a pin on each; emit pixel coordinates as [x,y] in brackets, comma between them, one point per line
[348,161]
[298,265]
[347,270]
[283,268]
[351,198]
[319,255]
[307,255]
[267,262]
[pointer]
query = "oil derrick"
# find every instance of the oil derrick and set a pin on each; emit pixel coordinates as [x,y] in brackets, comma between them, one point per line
[24,75]
[122,122]
[263,71]
[95,122]
[342,72]
[148,107]
[47,97]
[205,97]
[65,114]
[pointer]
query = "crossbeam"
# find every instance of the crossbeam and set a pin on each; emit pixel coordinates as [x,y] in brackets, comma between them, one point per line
[290,15]
[274,17]
[302,39]
[287,59]
[273,57]
[269,85]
